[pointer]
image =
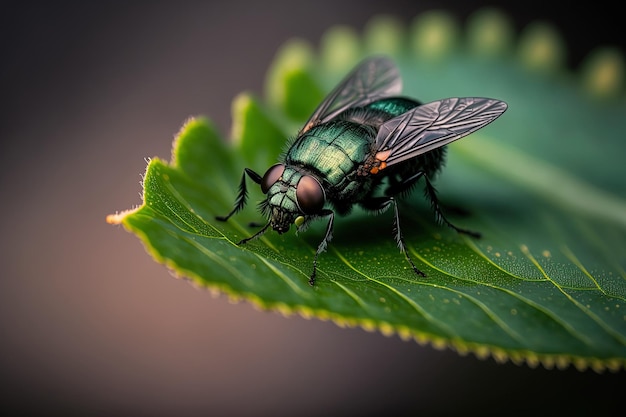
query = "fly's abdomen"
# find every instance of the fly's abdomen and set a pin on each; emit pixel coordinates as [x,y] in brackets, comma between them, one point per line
[393,106]
[333,150]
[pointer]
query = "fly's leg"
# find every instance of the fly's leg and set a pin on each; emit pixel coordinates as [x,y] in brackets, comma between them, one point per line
[240,203]
[381,204]
[242,195]
[405,184]
[324,243]
[431,194]
[257,234]
[400,238]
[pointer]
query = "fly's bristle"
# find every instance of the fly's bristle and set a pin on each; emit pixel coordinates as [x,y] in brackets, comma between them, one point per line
[264,208]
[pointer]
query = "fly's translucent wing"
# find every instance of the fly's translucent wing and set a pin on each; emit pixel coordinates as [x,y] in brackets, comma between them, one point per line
[372,79]
[433,125]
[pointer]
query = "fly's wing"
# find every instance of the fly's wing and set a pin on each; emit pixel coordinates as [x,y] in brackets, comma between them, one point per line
[372,79]
[433,125]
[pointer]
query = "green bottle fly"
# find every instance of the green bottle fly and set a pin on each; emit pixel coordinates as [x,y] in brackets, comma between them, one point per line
[364,145]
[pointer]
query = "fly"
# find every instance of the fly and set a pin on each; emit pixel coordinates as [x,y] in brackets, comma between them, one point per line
[365,145]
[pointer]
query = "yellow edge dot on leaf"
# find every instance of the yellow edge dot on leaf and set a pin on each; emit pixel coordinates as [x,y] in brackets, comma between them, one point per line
[548,362]
[386,329]
[499,355]
[482,352]
[368,325]
[404,333]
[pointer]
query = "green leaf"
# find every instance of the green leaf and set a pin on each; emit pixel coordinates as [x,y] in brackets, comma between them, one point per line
[544,184]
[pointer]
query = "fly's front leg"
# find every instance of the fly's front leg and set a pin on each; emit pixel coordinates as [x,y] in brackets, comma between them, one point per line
[257,234]
[242,195]
[380,204]
[324,243]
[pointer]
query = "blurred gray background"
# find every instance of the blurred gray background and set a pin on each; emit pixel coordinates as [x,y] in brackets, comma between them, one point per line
[91,325]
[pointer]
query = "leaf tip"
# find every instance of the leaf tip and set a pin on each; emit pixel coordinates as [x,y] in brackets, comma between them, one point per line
[118,217]
[193,127]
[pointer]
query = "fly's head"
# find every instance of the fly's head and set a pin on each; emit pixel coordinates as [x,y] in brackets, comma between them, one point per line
[292,197]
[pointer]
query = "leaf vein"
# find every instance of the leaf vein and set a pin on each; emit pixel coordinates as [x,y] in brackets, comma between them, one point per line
[352,295]
[585,310]
[291,284]
[483,255]
[570,255]
[514,294]
[219,260]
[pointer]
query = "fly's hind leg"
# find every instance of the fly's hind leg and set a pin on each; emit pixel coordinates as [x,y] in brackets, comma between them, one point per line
[381,204]
[431,194]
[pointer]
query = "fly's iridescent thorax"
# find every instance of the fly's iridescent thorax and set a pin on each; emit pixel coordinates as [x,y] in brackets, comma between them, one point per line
[291,194]
[332,149]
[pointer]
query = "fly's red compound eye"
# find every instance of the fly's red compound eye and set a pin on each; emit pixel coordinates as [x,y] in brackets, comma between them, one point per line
[271,176]
[310,195]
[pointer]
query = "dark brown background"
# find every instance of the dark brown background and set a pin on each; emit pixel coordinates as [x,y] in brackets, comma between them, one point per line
[90,325]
